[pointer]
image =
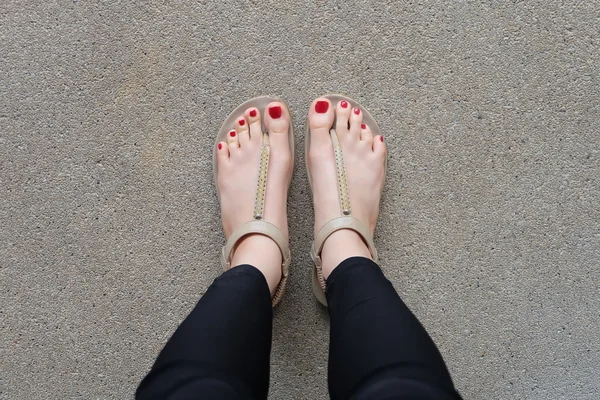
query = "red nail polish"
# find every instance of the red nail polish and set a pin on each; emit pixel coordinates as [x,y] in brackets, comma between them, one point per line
[344,104]
[220,146]
[363,126]
[275,112]
[357,111]
[252,113]
[242,122]
[321,107]
[381,138]
[232,133]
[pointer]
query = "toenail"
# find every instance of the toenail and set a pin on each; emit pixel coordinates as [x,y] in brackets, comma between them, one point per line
[242,122]
[232,133]
[252,113]
[321,107]
[357,111]
[363,126]
[344,104]
[275,112]
[381,138]
[220,146]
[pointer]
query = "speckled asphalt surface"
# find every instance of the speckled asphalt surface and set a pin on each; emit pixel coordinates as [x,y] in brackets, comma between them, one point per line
[490,227]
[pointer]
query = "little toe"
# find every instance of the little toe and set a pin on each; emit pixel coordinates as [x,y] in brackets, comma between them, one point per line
[356,118]
[379,146]
[222,153]
[342,117]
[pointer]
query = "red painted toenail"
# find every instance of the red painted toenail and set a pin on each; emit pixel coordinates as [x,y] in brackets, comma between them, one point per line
[381,138]
[344,104]
[232,133]
[321,107]
[275,112]
[252,113]
[363,126]
[357,111]
[220,146]
[242,122]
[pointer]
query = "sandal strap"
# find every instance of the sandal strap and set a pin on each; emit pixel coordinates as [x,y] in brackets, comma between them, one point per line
[272,232]
[258,226]
[336,224]
[344,222]
[341,173]
[261,189]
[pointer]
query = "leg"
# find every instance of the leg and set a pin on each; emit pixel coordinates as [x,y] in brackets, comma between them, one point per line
[379,350]
[221,350]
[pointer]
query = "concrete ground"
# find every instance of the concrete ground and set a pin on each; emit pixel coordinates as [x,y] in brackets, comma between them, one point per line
[490,227]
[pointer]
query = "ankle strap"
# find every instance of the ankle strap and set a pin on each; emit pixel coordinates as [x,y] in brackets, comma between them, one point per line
[272,232]
[347,222]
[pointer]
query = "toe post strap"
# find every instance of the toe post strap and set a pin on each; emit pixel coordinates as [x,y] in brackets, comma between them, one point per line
[341,173]
[261,189]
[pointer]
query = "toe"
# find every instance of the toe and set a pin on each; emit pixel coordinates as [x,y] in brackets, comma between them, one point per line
[222,153]
[277,118]
[365,133]
[355,122]
[255,124]
[379,145]
[233,139]
[320,120]
[342,117]
[241,127]
[277,122]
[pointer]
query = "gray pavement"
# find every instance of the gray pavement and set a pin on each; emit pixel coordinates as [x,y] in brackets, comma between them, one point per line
[109,228]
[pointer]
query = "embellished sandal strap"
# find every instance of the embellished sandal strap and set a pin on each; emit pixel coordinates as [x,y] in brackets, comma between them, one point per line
[259,202]
[272,232]
[346,222]
[258,226]
[341,173]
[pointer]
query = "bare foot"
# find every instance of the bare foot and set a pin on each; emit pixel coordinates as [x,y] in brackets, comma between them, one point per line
[364,156]
[238,169]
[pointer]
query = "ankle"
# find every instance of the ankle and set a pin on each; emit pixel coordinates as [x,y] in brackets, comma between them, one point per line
[262,253]
[340,246]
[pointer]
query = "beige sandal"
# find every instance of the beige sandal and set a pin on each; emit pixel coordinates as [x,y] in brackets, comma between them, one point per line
[256,224]
[345,220]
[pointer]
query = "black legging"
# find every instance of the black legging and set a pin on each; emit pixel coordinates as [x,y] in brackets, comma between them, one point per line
[378,349]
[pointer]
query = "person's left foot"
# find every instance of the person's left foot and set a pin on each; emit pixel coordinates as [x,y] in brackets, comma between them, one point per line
[237,179]
[364,157]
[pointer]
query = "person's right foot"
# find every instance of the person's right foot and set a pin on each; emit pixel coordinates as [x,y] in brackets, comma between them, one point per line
[364,157]
[239,163]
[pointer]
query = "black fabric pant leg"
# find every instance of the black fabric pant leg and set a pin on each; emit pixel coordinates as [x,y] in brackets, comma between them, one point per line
[222,349]
[379,350]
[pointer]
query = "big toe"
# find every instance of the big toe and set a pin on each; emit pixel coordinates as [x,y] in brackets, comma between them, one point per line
[277,122]
[277,119]
[320,120]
